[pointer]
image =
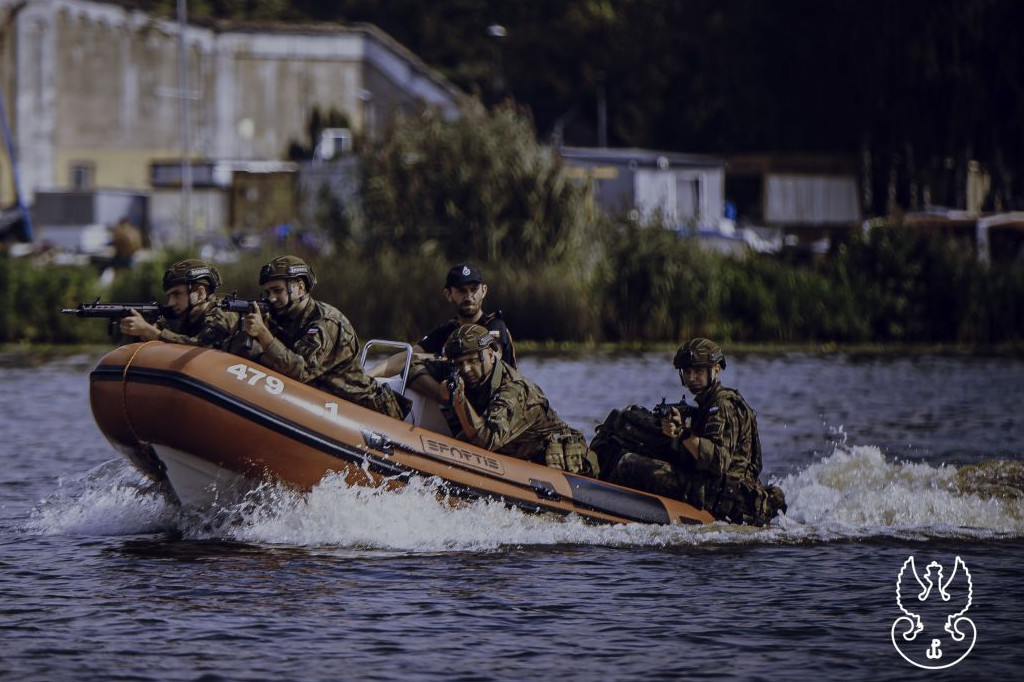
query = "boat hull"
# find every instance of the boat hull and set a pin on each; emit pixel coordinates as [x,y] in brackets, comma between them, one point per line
[209,423]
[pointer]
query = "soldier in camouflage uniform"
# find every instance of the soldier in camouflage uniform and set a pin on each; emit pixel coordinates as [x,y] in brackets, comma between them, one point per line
[498,408]
[193,316]
[717,458]
[311,341]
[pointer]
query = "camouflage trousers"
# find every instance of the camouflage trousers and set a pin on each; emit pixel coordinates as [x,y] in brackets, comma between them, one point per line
[736,502]
[754,504]
[387,402]
[645,473]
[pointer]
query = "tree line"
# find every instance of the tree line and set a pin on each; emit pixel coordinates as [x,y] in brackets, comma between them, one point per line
[486,188]
[482,188]
[917,88]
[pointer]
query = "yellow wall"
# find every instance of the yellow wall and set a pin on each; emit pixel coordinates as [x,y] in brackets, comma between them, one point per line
[6,181]
[114,168]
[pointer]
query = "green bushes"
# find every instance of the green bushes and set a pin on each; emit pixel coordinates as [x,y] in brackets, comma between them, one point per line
[999,318]
[437,192]
[544,303]
[913,287]
[655,286]
[31,298]
[480,187]
[769,300]
[889,286]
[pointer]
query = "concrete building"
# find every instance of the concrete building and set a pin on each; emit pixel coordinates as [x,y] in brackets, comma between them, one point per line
[94,92]
[684,189]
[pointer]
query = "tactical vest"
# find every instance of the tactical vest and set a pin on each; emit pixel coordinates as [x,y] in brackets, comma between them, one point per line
[740,499]
[724,394]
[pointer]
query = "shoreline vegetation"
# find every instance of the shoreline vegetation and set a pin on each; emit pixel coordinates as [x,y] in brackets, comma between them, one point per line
[887,288]
[34,355]
[482,189]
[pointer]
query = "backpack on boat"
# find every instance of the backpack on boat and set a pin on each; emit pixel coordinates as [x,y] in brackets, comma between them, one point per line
[631,429]
[751,503]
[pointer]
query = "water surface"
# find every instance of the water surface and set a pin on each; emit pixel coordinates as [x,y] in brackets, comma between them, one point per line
[881,458]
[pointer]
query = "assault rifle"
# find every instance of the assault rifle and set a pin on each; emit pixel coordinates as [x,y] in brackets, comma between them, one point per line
[114,312]
[663,410]
[235,304]
[451,380]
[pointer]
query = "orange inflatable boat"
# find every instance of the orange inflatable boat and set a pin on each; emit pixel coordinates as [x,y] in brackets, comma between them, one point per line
[212,425]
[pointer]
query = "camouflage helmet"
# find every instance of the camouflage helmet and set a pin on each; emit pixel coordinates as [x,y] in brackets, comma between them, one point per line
[469,338]
[699,352]
[288,267]
[192,271]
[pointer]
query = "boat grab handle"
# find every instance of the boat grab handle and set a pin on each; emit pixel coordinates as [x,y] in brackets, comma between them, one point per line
[397,383]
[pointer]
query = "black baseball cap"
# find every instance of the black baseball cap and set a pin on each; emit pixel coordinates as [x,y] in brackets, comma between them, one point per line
[463,273]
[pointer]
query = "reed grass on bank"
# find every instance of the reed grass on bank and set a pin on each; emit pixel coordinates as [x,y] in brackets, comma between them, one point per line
[888,287]
[437,190]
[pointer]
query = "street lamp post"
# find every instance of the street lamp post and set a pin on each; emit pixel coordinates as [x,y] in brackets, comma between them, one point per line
[186,128]
[498,33]
[602,112]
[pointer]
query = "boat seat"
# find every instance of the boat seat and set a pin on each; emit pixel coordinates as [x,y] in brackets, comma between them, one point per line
[425,411]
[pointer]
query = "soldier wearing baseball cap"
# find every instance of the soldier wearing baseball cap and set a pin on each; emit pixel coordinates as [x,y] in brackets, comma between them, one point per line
[464,288]
[463,273]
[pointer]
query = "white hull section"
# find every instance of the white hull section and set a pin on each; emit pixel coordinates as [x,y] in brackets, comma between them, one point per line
[198,482]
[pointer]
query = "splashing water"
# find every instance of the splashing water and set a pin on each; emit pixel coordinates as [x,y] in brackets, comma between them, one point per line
[852,493]
[110,499]
[857,491]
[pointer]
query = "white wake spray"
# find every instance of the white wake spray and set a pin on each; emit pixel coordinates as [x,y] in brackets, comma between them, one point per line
[858,491]
[110,499]
[852,493]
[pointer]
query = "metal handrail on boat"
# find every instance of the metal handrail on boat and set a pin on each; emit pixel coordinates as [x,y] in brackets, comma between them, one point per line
[397,382]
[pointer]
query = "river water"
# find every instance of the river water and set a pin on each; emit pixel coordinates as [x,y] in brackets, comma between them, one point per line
[882,458]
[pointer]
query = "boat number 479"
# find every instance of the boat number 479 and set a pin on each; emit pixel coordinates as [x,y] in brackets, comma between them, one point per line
[253,376]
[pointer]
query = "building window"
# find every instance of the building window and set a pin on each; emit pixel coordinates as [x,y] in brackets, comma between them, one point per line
[83,174]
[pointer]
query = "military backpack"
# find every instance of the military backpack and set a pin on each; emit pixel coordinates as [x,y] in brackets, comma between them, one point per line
[631,429]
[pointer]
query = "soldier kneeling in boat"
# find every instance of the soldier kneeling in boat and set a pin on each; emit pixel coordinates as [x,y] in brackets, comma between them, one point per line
[311,341]
[498,408]
[710,457]
[192,315]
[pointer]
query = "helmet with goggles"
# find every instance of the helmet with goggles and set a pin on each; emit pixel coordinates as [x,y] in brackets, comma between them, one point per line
[699,352]
[469,338]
